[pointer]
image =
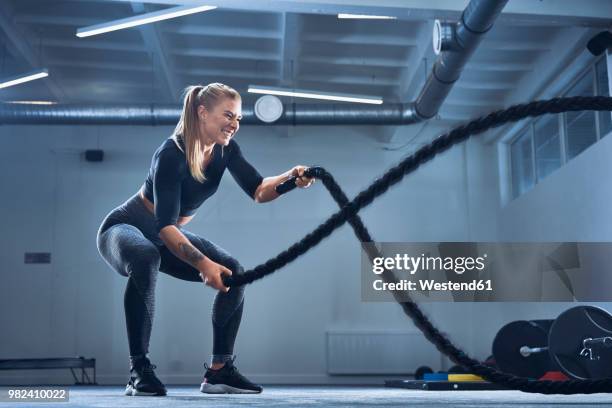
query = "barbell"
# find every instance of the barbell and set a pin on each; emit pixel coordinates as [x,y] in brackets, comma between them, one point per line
[578,343]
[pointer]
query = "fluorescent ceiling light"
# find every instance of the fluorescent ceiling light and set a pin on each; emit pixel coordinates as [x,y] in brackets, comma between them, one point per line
[268,90]
[29,76]
[141,19]
[32,102]
[365,16]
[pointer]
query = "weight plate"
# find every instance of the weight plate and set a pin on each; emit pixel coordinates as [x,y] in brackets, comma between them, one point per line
[567,334]
[513,336]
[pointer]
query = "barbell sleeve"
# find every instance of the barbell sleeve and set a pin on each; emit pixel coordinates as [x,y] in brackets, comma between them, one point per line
[526,351]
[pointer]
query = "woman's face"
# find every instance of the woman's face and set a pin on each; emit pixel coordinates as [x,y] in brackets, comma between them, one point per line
[221,123]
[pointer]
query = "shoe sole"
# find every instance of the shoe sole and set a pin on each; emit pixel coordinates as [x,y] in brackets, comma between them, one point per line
[130,391]
[224,389]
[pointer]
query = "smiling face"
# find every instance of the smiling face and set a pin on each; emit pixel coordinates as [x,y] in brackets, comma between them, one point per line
[219,124]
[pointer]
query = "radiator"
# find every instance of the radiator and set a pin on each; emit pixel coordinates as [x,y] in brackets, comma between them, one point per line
[379,352]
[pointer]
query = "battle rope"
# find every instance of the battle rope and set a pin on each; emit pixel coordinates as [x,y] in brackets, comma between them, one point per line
[349,210]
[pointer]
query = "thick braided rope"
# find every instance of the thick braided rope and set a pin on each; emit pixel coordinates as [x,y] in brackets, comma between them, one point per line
[349,210]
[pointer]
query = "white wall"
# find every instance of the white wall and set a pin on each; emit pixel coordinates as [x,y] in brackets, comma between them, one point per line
[571,205]
[54,202]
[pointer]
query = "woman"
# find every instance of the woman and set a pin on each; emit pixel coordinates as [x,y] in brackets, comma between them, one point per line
[145,234]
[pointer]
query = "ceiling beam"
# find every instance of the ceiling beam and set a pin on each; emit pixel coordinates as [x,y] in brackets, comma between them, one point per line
[52,62]
[107,85]
[17,38]
[226,53]
[355,61]
[228,72]
[360,88]
[219,31]
[413,64]
[154,42]
[44,19]
[248,77]
[514,46]
[484,85]
[349,79]
[93,44]
[499,66]
[291,28]
[361,39]
[423,46]
[453,100]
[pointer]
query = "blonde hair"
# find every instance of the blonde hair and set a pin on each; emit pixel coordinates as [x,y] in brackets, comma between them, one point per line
[187,129]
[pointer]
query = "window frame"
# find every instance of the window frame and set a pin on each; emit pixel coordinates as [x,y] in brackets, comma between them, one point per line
[562,122]
[563,115]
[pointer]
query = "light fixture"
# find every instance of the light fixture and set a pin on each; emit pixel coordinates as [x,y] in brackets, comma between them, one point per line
[298,93]
[29,76]
[365,16]
[32,102]
[268,108]
[141,19]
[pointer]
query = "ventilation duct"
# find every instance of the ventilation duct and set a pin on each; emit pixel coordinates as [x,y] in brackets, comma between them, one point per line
[476,20]
[154,115]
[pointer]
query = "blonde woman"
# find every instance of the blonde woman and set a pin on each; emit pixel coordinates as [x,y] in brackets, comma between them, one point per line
[145,234]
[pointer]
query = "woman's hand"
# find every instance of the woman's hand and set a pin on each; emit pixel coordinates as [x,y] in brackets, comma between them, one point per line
[212,275]
[301,180]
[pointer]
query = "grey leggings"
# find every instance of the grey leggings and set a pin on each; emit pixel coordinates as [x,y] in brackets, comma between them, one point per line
[129,243]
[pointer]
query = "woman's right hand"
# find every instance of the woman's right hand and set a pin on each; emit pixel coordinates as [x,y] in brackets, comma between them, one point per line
[212,275]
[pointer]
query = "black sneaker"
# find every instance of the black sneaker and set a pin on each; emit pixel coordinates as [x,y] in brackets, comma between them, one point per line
[143,380]
[227,380]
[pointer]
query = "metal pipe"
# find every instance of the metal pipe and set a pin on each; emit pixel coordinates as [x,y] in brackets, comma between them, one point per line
[476,20]
[69,114]
[157,115]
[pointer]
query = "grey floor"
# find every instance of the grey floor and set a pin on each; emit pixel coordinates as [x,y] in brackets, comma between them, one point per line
[320,396]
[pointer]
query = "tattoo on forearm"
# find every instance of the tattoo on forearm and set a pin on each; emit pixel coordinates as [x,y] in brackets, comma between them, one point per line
[191,253]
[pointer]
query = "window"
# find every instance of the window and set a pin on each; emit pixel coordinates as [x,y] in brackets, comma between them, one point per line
[521,154]
[549,141]
[580,126]
[547,146]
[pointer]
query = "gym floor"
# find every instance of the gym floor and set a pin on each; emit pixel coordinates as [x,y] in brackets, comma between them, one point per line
[322,396]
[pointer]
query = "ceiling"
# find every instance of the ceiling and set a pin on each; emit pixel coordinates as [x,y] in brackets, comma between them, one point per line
[299,44]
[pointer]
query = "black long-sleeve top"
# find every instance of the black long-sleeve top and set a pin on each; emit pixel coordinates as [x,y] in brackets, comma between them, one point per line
[174,192]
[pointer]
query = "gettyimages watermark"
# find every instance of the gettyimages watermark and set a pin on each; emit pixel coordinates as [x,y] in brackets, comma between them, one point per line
[486,272]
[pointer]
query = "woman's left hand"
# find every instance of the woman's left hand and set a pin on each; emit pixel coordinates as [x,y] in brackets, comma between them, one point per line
[301,180]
